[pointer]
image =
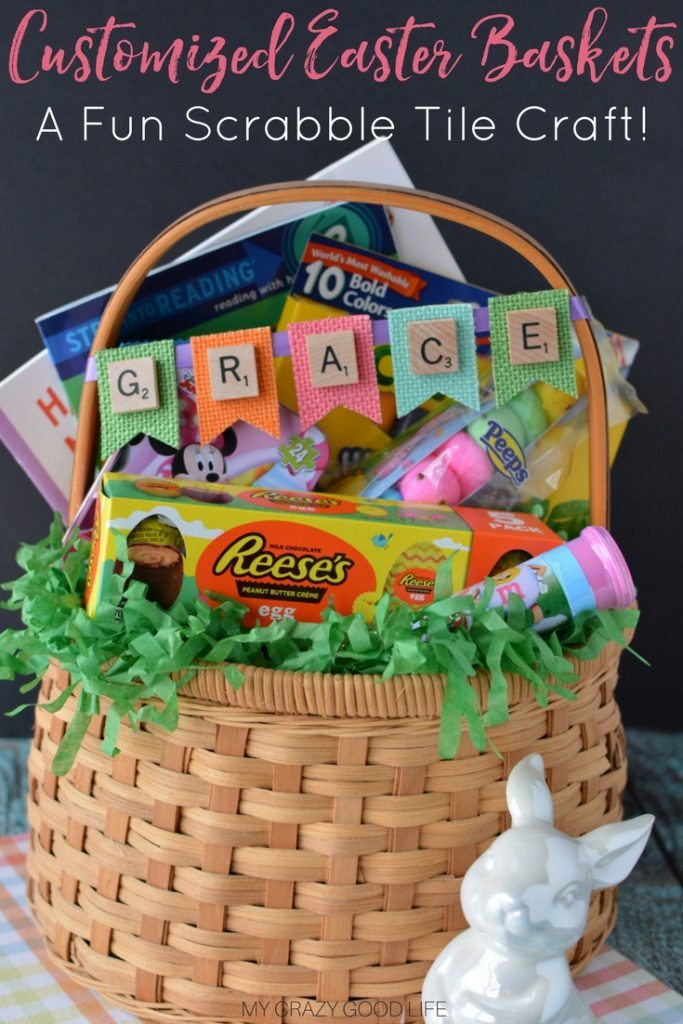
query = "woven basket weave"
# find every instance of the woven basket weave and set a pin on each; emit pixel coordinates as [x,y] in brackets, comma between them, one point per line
[299,839]
[302,841]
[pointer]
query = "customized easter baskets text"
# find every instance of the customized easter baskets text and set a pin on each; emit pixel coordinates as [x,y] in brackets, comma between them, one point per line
[297,845]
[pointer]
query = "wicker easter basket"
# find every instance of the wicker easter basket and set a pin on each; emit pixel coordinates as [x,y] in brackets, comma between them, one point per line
[299,843]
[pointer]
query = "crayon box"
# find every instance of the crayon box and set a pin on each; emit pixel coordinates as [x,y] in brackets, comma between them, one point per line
[288,554]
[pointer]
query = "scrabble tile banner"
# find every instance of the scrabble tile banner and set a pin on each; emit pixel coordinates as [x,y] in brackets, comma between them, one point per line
[531,340]
[137,394]
[334,365]
[235,380]
[433,350]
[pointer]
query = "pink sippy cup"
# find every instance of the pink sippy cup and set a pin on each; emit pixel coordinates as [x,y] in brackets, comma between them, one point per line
[605,568]
[588,573]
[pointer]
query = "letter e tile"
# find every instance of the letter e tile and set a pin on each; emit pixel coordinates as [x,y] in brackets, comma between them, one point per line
[532,336]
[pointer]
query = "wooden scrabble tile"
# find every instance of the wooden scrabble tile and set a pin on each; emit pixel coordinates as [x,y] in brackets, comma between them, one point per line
[232,372]
[532,336]
[332,359]
[433,346]
[133,385]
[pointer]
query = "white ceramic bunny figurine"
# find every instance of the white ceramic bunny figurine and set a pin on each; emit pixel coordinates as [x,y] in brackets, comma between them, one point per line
[526,899]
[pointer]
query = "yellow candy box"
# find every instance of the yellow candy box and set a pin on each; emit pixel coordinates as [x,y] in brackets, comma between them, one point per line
[287,554]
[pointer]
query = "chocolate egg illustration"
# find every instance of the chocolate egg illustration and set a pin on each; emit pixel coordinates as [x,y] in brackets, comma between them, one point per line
[156,547]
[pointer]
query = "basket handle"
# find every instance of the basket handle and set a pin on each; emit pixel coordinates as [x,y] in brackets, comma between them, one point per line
[312,191]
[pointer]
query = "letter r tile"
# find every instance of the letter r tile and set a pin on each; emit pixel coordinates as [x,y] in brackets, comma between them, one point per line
[533,336]
[433,346]
[232,372]
[133,385]
[332,359]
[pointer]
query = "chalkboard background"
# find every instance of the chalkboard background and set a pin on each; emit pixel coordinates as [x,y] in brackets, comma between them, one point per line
[75,214]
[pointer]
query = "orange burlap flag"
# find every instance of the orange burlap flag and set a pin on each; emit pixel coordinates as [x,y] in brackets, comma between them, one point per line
[261,410]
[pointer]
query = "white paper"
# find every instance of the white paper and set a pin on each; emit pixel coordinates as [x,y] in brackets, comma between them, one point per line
[38,427]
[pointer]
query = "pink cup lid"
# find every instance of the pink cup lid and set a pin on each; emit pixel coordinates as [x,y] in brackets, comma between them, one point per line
[605,568]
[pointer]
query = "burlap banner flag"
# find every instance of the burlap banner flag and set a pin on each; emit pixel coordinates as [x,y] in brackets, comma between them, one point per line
[138,394]
[433,349]
[235,380]
[531,339]
[334,364]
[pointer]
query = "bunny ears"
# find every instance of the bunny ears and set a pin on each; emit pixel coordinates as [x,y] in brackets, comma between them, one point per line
[528,796]
[612,850]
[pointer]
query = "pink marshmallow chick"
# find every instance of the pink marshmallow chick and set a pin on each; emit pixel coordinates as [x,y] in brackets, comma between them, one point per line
[471,464]
[433,480]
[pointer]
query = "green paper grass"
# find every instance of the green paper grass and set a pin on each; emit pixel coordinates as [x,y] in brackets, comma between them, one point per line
[139,657]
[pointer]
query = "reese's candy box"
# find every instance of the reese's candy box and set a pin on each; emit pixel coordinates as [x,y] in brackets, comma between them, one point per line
[288,554]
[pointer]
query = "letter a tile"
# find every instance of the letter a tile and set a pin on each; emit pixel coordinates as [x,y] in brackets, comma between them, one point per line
[332,359]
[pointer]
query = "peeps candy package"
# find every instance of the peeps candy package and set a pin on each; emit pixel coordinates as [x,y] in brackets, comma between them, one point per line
[530,453]
[553,482]
[379,474]
[286,554]
[493,443]
[238,285]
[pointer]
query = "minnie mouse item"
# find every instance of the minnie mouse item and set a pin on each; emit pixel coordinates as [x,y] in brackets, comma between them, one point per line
[241,454]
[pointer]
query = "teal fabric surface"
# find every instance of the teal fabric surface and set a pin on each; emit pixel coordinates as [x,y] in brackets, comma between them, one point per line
[13,757]
[650,923]
[649,927]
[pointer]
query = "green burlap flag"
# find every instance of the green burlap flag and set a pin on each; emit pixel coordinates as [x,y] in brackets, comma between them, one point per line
[509,377]
[159,419]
